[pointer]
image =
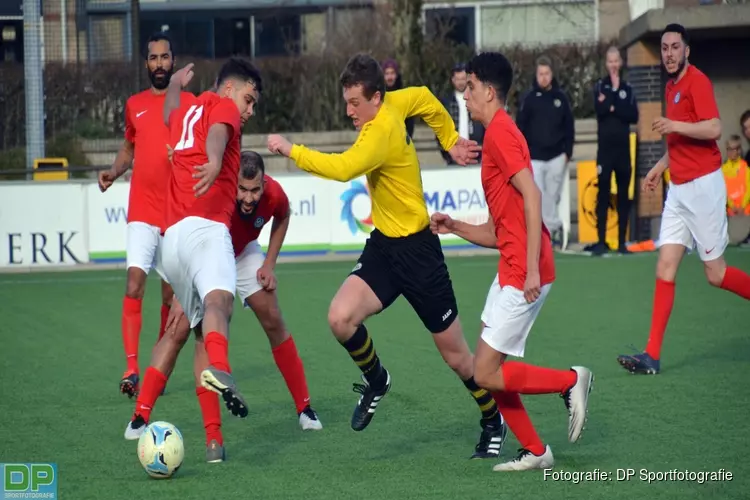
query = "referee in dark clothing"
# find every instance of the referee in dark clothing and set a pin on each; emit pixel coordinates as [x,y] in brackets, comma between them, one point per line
[616,110]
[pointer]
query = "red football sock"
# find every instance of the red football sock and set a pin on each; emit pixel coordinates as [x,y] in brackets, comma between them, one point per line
[131,330]
[663,302]
[151,387]
[529,379]
[512,410]
[737,282]
[217,348]
[291,368]
[164,317]
[211,411]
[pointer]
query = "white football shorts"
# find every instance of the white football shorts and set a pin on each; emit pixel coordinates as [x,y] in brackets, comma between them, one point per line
[695,216]
[198,258]
[143,246]
[508,318]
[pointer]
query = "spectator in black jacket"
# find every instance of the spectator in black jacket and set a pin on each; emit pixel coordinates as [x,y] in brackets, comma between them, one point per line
[616,109]
[546,121]
[393,82]
[456,106]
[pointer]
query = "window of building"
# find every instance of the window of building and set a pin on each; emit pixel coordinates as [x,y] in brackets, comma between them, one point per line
[277,35]
[454,23]
[109,37]
[233,37]
[498,23]
[537,24]
[11,41]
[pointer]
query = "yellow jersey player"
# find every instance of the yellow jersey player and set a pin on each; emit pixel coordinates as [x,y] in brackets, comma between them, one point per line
[401,256]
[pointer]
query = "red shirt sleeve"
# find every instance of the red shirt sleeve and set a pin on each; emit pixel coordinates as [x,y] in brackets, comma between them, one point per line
[226,112]
[704,101]
[509,158]
[129,125]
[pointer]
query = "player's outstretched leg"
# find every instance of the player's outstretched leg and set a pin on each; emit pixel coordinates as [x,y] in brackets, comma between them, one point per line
[647,363]
[218,377]
[509,379]
[455,351]
[166,302]
[163,359]
[210,407]
[131,328]
[354,302]
[264,304]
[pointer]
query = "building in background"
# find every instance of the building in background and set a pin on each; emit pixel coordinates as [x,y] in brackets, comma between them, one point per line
[495,23]
[97,30]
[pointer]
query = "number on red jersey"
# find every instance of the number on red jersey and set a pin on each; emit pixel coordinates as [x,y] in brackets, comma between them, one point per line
[187,139]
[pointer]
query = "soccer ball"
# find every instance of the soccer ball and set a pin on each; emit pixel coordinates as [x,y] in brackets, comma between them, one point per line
[161,450]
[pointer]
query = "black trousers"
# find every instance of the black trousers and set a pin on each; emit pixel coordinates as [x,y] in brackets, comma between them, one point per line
[613,160]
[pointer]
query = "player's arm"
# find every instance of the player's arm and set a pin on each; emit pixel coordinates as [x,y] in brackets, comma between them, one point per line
[216,142]
[279,227]
[367,154]
[708,124]
[419,101]
[523,181]
[706,130]
[179,80]
[172,99]
[663,163]
[482,235]
[124,159]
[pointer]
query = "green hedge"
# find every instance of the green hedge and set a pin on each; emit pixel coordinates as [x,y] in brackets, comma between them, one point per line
[301,92]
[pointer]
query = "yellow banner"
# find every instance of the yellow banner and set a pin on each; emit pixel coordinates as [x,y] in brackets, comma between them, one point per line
[588,189]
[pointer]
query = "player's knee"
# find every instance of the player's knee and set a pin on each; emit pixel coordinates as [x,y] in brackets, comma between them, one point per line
[166,297]
[461,363]
[341,321]
[219,302]
[483,378]
[274,328]
[135,289]
[715,275]
[136,283]
[666,269]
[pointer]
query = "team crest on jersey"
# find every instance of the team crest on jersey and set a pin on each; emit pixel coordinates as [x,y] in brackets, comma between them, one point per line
[259,222]
[677,98]
[623,94]
[557,103]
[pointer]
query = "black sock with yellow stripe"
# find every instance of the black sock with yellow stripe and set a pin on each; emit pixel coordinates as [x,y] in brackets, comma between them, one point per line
[484,400]
[362,350]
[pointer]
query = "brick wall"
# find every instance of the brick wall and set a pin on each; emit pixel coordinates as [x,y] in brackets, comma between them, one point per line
[645,76]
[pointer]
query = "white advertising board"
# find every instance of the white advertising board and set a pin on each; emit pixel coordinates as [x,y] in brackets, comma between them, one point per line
[42,225]
[310,206]
[107,219]
[456,192]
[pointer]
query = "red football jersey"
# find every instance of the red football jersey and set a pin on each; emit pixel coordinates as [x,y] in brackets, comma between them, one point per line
[247,228]
[504,154]
[691,100]
[189,126]
[145,128]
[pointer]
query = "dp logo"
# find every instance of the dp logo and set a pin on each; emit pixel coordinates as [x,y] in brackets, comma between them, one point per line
[29,481]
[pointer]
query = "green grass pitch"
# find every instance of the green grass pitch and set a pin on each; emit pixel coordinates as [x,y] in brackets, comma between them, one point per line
[62,359]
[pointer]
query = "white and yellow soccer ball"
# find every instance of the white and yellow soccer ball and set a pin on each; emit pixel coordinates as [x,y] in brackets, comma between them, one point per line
[161,450]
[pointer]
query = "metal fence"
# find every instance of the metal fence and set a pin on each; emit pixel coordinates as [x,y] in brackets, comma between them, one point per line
[64,79]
